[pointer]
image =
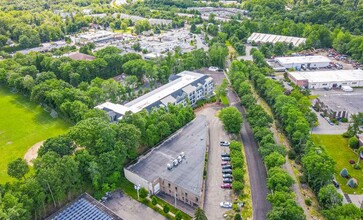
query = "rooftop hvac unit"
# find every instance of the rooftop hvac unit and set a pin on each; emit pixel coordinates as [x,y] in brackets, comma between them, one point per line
[182,154]
[180,159]
[169,166]
[175,162]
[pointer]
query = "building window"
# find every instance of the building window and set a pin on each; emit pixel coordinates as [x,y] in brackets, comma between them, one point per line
[169,191]
[196,199]
[169,185]
[176,188]
[324,84]
[354,83]
[186,194]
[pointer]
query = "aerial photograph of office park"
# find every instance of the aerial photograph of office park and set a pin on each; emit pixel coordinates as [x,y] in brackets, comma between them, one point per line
[181,109]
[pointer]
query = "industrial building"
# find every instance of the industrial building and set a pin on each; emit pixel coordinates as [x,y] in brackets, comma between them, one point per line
[259,38]
[96,37]
[327,79]
[84,207]
[185,86]
[176,166]
[303,62]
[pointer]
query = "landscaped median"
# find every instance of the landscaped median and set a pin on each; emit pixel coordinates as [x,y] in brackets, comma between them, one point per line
[159,206]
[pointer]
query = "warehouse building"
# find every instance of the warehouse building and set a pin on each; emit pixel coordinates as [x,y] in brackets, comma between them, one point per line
[303,62]
[96,37]
[327,79]
[259,38]
[176,166]
[185,86]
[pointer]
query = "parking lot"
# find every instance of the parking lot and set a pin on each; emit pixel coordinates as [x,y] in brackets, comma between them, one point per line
[129,209]
[214,195]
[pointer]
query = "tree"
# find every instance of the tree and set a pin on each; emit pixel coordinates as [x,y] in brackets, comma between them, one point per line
[217,54]
[143,193]
[231,119]
[142,25]
[166,208]
[353,142]
[221,90]
[279,180]
[178,215]
[18,168]
[237,187]
[274,160]
[360,151]
[346,211]
[199,214]
[240,48]
[329,197]
[138,68]
[62,145]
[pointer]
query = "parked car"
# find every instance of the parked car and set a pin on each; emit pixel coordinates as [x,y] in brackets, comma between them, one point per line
[226,159]
[225,155]
[227,180]
[227,205]
[227,175]
[227,167]
[225,163]
[224,143]
[227,171]
[336,184]
[226,186]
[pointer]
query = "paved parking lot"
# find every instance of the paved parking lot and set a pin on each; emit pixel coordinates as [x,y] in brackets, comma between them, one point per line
[130,209]
[325,128]
[213,192]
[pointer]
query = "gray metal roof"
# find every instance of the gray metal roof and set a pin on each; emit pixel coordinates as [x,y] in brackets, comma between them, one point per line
[192,140]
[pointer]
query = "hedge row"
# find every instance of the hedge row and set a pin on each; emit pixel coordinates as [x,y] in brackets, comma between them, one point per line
[237,162]
[279,181]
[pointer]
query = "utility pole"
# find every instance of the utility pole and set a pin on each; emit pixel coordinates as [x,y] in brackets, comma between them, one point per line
[137,187]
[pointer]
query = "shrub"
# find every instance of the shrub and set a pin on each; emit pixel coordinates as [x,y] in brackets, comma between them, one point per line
[308,202]
[154,201]
[274,160]
[178,215]
[235,207]
[237,174]
[351,161]
[353,142]
[237,187]
[356,166]
[302,179]
[344,120]
[237,217]
[344,173]
[166,208]
[292,154]
[143,193]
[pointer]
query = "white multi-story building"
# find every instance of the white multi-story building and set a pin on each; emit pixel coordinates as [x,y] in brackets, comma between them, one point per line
[185,86]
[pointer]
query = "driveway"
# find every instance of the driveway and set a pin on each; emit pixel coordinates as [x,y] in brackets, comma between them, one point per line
[130,209]
[256,167]
[213,192]
[325,128]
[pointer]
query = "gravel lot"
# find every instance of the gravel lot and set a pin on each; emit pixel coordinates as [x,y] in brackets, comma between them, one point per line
[130,209]
[213,192]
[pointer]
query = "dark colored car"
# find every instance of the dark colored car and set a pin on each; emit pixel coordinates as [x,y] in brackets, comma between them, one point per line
[226,159]
[225,155]
[227,171]
[227,180]
[336,184]
[227,175]
[226,186]
[227,167]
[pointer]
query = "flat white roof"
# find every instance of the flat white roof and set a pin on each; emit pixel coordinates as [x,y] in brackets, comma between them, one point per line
[98,34]
[329,76]
[120,109]
[272,38]
[302,60]
[186,78]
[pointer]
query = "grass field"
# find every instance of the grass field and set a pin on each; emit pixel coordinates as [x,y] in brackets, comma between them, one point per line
[22,124]
[337,148]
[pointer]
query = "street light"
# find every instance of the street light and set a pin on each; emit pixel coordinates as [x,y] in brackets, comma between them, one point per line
[137,187]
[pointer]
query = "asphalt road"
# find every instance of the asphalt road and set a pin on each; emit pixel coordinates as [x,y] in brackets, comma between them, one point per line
[256,168]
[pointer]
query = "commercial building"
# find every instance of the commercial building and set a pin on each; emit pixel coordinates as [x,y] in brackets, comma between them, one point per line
[80,56]
[303,62]
[84,207]
[327,79]
[259,38]
[97,37]
[176,166]
[185,86]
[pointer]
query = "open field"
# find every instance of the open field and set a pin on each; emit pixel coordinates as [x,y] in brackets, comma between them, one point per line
[337,148]
[22,124]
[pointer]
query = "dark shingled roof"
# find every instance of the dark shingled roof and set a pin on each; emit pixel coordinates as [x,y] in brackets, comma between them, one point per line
[85,207]
[81,56]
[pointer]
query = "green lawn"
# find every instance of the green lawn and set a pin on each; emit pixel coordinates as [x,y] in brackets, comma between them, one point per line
[337,148]
[22,124]
[224,100]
